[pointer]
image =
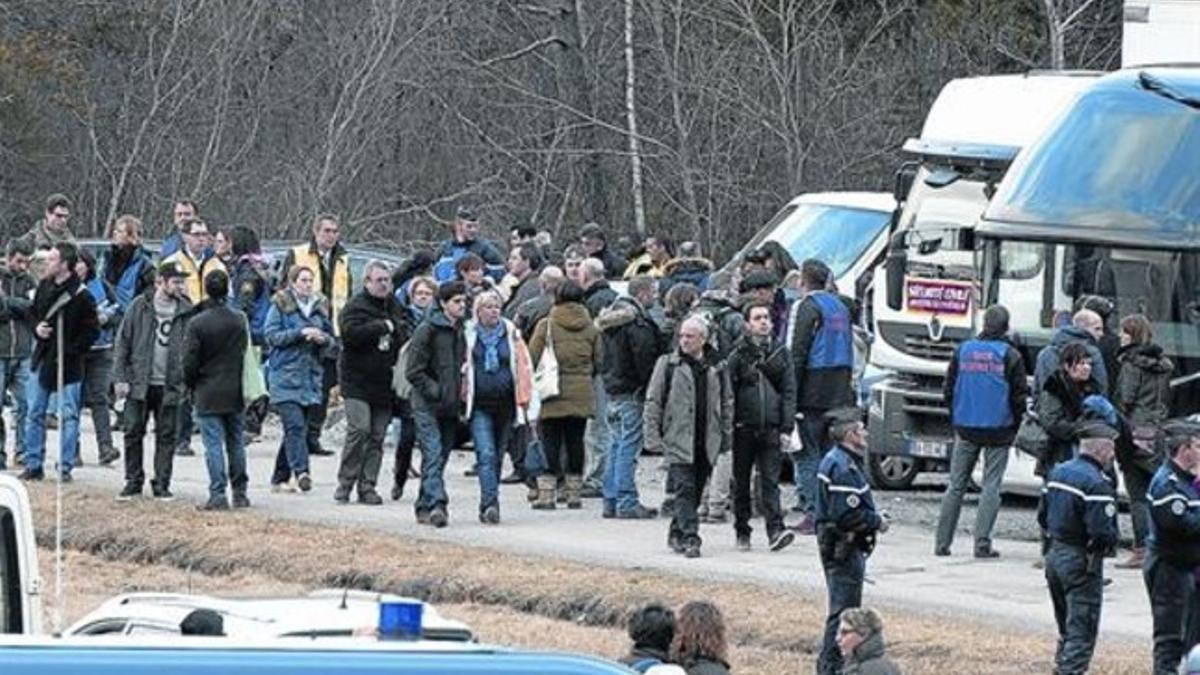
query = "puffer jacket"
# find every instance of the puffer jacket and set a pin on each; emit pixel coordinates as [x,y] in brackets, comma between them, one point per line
[580,354]
[297,367]
[16,313]
[632,344]
[436,357]
[133,358]
[518,363]
[764,385]
[668,417]
[868,658]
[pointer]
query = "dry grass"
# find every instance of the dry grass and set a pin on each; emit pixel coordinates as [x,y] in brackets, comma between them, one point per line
[523,600]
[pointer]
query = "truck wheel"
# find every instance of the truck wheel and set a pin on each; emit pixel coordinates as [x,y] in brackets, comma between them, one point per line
[892,472]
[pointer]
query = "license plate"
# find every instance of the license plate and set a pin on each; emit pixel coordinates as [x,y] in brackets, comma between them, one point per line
[934,449]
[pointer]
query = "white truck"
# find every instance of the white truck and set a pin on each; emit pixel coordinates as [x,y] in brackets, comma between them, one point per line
[931,301]
[20,581]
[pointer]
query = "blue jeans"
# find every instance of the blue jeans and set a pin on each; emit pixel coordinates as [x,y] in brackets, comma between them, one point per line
[294,448]
[436,436]
[14,377]
[222,435]
[805,462]
[489,431]
[620,469]
[35,426]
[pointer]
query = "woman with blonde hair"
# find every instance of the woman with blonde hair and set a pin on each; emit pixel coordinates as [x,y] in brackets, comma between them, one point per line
[700,644]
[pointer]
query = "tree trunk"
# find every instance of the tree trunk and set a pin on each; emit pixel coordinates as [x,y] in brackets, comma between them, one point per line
[635,144]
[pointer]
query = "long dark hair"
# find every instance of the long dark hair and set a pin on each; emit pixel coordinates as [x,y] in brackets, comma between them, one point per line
[243,241]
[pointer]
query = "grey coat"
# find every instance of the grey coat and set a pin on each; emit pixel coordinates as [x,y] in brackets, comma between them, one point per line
[670,430]
[134,352]
[868,659]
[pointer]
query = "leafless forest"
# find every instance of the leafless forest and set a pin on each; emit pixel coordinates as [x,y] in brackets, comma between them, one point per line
[697,117]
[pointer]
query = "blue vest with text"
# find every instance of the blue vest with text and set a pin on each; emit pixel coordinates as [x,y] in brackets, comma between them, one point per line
[833,343]
[981,393]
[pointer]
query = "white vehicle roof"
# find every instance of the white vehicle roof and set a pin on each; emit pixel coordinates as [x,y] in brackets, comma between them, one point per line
[869,201]
[320,614]
[1010,110]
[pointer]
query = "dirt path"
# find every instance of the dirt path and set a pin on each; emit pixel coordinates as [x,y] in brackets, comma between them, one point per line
[506,598]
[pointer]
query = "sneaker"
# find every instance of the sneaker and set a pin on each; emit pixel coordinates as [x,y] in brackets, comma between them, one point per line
[31,475]
[369,497]
[986,552]
[108,456]
[941,551]
[490,516]
[397,492]
[806,527]
[304,481]
[692,550]
[638,512]
[743,542]
[675,543]
[781,540]
[240,500]
[129,492]
[342,494]
[214,504]
[161,494]
[438,517]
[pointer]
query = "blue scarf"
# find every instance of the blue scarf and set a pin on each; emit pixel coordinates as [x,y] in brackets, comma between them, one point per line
[490,339]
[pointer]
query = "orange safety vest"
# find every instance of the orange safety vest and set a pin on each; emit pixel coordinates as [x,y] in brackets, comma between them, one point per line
[342,286]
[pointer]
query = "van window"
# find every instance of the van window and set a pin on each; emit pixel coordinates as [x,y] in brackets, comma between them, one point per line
[838,235]
[11,619]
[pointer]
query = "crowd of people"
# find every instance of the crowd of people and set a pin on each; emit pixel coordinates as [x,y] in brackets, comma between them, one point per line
[537,357]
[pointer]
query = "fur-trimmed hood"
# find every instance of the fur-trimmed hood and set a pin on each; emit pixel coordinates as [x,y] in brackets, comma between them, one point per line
[285,300]
[679,265]
[623,311]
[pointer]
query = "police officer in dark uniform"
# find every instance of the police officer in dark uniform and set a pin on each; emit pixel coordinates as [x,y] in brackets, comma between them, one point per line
[1078,513]
[1174,547]
[847,523]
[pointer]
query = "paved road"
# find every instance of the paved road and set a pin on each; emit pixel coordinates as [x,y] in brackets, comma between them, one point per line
[902,572]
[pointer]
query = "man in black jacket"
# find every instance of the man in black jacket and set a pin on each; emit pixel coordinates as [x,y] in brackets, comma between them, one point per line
[597,294]
[435,359]
[16,340]
[215,343]
[986,392]
[373,327]
[822,344]
[632,344]
[764,394]
[65,325]
[148,374]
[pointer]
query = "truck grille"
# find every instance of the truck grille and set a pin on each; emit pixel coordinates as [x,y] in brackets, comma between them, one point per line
[924,347]
[913,339]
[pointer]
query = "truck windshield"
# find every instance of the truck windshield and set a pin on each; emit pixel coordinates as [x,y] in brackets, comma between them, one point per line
[838,235]
[1124,157]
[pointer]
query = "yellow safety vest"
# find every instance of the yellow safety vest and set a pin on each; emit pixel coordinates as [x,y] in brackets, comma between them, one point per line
[196,272]
[340,289]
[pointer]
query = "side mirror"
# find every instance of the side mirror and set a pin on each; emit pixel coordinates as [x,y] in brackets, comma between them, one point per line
[906,175]
[896,264]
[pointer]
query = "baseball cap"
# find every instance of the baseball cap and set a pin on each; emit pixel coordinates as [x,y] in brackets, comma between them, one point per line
[169,269]
[465,212]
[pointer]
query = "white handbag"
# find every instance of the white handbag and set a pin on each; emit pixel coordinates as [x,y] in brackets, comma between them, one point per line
[545,376]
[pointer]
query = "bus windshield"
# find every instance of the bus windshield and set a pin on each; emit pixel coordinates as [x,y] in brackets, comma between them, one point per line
[1123,158]
[837,235]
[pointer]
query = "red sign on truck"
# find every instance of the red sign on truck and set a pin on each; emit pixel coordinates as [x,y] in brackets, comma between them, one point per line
[939,296]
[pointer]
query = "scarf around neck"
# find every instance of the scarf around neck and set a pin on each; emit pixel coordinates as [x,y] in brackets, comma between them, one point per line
[490,339]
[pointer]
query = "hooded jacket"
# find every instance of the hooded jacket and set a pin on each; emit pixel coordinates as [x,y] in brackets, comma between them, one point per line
[297,366]
[694,271]
[868,658]
[669,415]
[764,385]
[370,346]
[72,302]
[518,364]
[133,357]
[16,313]
[1048,361]
[436,357]
[1144,384]
[632,343]
[579,351]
